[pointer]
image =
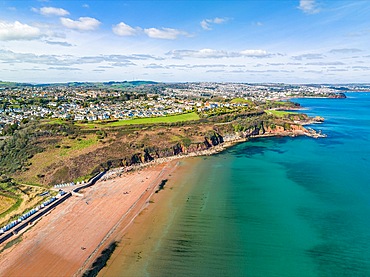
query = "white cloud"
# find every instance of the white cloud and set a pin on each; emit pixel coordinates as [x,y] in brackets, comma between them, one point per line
[203,53]
[218,20]
[308,6]
[217,54]
[207,23]
[325,63]
[361,67]
[7,56]
[18,31]
[123,29]
[164,33]
[82,24]
[48,11]
[210,53]
[64,68]
[345,51]
[61,43]
[254,53]
[308,56]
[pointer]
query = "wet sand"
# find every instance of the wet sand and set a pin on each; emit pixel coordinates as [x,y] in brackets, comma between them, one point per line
[140,241]
[68,240]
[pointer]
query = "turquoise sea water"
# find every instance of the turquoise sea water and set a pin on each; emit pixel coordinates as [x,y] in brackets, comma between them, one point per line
[279,206]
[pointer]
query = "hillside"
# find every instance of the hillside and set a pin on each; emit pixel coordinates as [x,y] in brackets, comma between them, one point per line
[45,153]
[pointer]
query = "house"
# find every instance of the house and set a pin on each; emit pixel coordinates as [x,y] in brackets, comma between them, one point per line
[92,117]
[79,117]
[103,116]
[66,116]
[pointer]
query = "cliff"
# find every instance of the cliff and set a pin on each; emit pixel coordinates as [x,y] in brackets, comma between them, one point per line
[212,139]
[148,154]
[72,153]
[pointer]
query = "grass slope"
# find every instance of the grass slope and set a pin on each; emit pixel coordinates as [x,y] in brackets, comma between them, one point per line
[241,101]
[67,148]
[148,120]
[280,113]
[6,203]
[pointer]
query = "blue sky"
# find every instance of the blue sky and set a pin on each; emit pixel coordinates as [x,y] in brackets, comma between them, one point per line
[291,41]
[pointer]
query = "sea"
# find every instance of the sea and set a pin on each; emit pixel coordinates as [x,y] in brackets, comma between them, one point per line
[278,206]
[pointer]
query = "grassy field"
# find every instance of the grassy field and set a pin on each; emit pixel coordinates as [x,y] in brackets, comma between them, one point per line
[147,120]
[82,178]
[6,203]
[241,101]
[54,121]
[75,145]
[67,148]
[280,113]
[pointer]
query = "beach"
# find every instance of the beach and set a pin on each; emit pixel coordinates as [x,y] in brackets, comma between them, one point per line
[69,239]
[141,240]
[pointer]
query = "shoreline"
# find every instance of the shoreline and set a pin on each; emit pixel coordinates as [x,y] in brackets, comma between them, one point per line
[127,219]
[113,232]
[219,148]
[211,151]
[144,236]
[69,238]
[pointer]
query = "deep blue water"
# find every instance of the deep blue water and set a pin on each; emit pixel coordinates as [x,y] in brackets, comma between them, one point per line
[279,206]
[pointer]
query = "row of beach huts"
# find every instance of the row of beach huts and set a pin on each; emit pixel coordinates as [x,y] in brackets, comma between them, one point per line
[31,212]
[69,184]
[25,219]
[64,185]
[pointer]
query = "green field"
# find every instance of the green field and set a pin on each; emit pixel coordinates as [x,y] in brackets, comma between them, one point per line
[241,101]
[6,203]
[147,120]
[77,145]
[280,113]
[54,121]
[6,83]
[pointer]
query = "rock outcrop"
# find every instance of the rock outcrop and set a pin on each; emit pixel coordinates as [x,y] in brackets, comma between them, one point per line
[337,95]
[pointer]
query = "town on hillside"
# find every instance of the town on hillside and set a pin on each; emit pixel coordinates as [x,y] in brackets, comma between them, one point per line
[89,102]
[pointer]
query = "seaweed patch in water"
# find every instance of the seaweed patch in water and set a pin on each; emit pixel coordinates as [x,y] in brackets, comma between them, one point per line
[101,261]
[161,185]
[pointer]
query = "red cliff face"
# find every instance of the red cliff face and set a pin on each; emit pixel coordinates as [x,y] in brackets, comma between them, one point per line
[297,127]
[275,130]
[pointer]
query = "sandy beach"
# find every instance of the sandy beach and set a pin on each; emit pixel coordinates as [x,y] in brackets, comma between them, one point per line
[139,242]
[69,239]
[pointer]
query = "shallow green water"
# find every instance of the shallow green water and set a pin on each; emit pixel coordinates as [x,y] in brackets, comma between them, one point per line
[279,206]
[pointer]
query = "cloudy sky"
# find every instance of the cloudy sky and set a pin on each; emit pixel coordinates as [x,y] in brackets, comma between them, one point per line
[291,41]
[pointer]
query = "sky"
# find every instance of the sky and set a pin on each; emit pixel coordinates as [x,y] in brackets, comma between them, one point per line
[279,41]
